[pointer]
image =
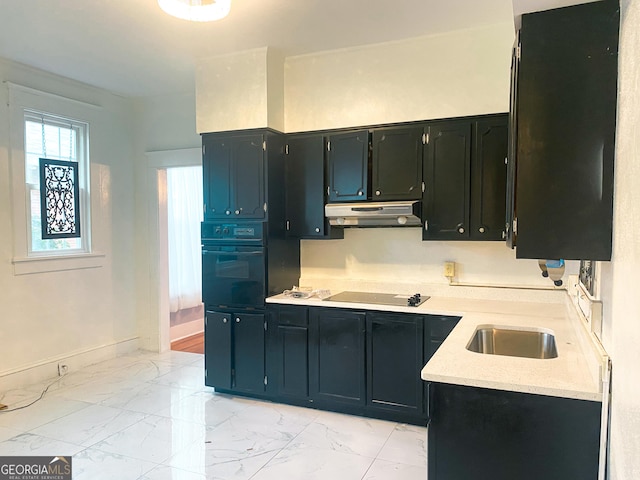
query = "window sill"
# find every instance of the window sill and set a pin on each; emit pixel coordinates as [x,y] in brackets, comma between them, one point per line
[29,265]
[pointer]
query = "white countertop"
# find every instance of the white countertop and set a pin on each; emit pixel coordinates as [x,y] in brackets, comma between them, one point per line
[575,373]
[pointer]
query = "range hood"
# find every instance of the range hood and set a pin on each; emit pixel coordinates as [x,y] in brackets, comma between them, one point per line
[370,214]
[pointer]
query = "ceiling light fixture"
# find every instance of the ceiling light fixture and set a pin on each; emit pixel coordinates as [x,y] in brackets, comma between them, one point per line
[196,10]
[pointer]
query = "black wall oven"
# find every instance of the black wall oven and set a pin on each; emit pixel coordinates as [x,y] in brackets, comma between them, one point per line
[234,260]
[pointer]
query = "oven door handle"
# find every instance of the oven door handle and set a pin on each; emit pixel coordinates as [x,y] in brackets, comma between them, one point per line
[233,254]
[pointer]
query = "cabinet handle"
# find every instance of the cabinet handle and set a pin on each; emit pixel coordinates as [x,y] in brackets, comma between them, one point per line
[317,230]
[237,319]
[461,230]
[360,192]
[224,320]
[378,192]
[481,229]
[228,212]
[237,212]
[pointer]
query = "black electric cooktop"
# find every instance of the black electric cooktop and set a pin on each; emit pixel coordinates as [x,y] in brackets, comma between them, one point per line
[379,298]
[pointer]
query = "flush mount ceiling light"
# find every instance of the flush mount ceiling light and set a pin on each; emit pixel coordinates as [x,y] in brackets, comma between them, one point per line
[196,10]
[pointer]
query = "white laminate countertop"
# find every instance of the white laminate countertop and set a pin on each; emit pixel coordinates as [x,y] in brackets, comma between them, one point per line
[575,373]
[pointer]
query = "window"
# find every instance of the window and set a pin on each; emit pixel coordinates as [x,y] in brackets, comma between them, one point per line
[55,138]
[44,124]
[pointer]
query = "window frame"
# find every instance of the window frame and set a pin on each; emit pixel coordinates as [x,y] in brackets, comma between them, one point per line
[22,100]
[84,175]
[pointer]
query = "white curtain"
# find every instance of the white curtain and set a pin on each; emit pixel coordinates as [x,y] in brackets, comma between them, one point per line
[184,208]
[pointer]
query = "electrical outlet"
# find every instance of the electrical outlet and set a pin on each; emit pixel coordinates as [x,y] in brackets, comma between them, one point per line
[449,269]
[62,369]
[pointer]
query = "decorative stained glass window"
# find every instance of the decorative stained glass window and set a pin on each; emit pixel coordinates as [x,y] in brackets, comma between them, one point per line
[59,197]
[58,190]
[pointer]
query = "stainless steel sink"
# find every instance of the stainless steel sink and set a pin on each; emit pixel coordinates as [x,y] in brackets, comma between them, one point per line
[514,342]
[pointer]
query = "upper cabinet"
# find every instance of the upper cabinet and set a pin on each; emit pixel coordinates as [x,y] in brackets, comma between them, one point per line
[233,173]
[396,163]
[243,175]
[379,165]
[305,188]
[447,176]
[348,166]
[465,179]
[564,93]
[488,178]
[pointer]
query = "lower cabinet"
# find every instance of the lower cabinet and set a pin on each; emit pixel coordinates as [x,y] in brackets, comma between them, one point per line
[288,353]
[235,351]
[395,356]
[337,356]
[359,362]
[497,435]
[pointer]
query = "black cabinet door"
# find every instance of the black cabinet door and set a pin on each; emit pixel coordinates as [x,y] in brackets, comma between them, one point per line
[291,356]
[497,435]
[216,174]
[397,163]
[446,176]
[488,179]
[337,356]
[248,352]
[233,176]
[248,177]
[348,166]
[305,188]
[566,136]
[217,345]
[394,359]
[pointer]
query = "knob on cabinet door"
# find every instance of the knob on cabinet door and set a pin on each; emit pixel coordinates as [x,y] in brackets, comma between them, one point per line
[317,230]
[224,320]
[481,229]
[378,192]
[461,230]
[237,319]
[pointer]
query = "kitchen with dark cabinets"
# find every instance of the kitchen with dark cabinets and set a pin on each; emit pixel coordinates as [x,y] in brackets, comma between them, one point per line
[474,178]
[407,105]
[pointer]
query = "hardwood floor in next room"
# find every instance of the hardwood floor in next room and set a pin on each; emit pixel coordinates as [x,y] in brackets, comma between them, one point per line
[192,344]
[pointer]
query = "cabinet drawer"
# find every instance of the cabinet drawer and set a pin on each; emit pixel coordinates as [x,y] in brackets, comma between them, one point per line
[296,316]
[442,326]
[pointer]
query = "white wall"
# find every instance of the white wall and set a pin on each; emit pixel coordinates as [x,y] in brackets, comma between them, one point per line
[623,321]
[239,91]
[162,123]
[54,315]
[450,75]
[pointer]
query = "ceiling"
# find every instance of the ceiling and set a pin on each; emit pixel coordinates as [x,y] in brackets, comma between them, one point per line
[132,48]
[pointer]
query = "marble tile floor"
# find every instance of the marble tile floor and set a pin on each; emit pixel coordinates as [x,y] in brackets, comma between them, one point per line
[148,416]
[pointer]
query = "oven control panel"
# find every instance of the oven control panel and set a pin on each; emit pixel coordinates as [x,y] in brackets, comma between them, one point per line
[232,232]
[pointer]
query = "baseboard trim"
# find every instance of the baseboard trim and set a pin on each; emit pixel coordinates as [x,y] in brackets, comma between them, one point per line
[48,368]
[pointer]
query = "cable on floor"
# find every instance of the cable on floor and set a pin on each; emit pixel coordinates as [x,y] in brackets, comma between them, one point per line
[7,410]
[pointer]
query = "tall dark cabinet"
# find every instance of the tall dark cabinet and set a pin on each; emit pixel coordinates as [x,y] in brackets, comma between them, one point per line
[564,102]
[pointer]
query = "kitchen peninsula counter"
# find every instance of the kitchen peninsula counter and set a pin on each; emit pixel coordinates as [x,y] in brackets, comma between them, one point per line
[575,373]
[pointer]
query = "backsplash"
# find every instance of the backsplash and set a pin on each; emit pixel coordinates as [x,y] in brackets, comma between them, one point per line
[399,257]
